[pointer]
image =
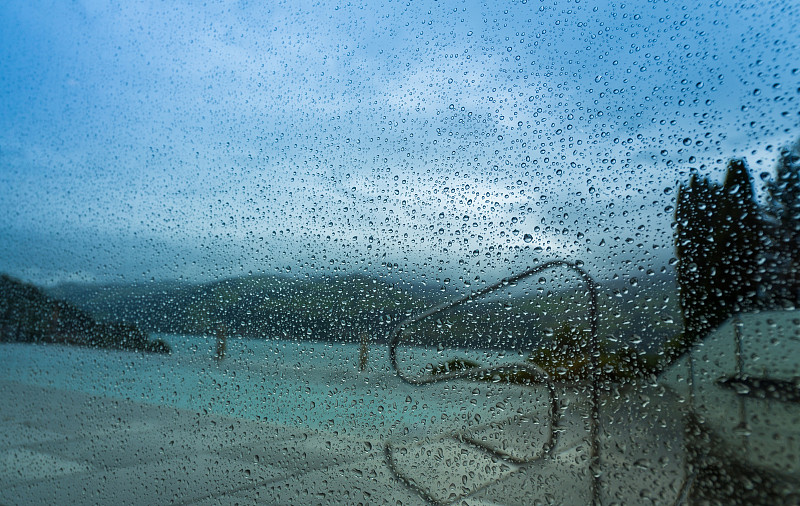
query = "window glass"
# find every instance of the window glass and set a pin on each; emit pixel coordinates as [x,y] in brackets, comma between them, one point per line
[399,252]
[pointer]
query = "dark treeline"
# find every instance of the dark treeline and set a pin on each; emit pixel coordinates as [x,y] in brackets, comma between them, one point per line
[28,315]
[734,254]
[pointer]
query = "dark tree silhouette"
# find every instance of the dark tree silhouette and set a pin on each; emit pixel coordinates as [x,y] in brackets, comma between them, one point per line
[784,234]
[741,235]
[719,244]
[698,255]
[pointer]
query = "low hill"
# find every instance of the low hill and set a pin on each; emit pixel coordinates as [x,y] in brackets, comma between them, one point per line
[341,308]
[29,315]
[330,308]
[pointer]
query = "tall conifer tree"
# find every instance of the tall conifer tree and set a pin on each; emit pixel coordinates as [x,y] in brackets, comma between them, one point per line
[719,246]
[784,194]
[698,255]
[742,236]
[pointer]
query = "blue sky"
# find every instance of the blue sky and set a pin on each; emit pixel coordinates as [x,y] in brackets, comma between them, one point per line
[199,140]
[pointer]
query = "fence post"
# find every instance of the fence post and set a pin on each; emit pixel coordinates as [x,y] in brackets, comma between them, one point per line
[363,354]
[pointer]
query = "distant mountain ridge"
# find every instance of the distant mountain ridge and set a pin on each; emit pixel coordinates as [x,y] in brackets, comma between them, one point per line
[341,308]
[330,307]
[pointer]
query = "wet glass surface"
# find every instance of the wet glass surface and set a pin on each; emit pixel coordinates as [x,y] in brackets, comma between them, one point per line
[399,253]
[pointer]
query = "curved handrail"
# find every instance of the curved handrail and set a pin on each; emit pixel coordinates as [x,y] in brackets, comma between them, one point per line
[476,373]
[395,337]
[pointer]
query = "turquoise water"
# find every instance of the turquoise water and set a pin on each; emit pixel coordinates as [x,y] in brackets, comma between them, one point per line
[313,385]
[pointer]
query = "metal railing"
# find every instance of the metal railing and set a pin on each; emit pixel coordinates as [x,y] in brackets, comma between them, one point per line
[542,377]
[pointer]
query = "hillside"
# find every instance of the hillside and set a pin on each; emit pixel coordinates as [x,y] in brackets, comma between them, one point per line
[332,308]
[29,315]
[340,308]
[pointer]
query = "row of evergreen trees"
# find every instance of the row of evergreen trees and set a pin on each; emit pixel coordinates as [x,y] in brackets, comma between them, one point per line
[733,254]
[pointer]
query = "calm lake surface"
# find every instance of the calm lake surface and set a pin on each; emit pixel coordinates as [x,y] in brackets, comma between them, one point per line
[314,385]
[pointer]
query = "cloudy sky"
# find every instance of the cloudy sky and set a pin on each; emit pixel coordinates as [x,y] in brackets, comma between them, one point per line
[199,140]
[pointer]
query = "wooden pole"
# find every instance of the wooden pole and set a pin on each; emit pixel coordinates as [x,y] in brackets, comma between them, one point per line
[221,342]
[363,354]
